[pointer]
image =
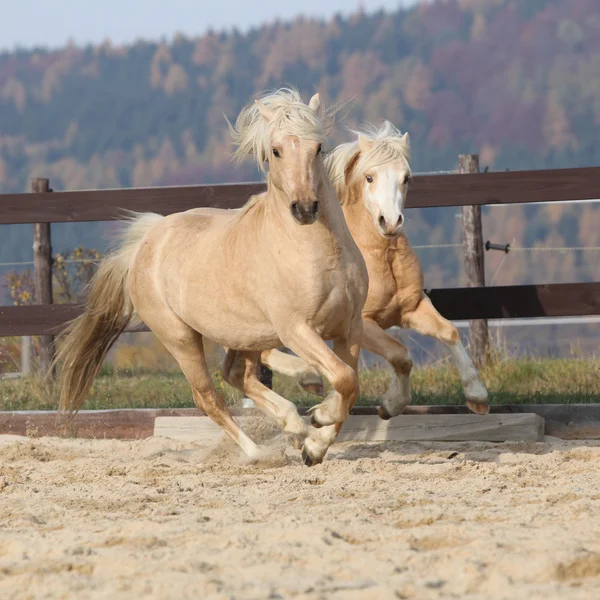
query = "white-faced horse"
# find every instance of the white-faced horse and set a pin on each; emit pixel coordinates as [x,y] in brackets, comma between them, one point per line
[371,176]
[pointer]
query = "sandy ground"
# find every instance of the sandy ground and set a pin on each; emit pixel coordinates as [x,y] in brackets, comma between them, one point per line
[161,519]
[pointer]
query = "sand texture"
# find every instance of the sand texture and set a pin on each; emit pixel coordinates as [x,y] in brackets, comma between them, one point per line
[162,519]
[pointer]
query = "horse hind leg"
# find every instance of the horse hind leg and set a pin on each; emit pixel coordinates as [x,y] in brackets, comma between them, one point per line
[427,320]
[240,370]
[186,346]
[397,397]
[287,364]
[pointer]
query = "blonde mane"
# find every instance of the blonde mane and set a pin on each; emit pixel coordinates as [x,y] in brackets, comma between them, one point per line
[388,145]
[252,133]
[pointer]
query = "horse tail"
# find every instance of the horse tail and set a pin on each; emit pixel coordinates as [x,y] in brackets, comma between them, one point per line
[84,343]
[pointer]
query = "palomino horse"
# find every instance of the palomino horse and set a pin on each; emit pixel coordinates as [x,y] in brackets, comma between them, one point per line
[282,270]
[371,177]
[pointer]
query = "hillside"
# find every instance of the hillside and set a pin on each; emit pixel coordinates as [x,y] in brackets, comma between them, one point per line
[516,80]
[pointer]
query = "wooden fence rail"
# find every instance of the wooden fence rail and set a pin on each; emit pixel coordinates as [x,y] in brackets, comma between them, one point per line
[470,189]
[515,187]
[456,304]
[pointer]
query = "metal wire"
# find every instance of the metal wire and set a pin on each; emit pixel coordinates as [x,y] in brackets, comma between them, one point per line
[15,264]
[521,248]
[435,173]
[427,246]
[420,247]
[30,262]
[557,249]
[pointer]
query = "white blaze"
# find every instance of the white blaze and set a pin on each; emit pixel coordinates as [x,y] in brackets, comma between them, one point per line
[386,199]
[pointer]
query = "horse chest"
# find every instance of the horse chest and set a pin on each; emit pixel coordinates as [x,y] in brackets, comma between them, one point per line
[381,302]
[335,289]
[395,285]
[331,292]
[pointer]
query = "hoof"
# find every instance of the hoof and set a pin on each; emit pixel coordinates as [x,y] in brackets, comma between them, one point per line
[314,422]
[383,414]
[478,407]
[308,461]
[314,388]
[320,415]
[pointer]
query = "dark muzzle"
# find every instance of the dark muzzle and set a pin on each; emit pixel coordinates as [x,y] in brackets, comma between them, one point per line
[305,212]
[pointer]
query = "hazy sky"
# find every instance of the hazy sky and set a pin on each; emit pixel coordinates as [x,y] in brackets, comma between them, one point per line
[51,23]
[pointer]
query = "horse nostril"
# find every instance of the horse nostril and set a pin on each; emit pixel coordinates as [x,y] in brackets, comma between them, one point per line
[382,223]
[400,220]
[314,208]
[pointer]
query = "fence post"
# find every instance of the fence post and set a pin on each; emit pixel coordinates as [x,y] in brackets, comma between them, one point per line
[479,337]
[26,355]
[42,273]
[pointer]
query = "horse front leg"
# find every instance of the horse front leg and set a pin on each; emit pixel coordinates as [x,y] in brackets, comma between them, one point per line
[397,397]
[339,366]
[427,321]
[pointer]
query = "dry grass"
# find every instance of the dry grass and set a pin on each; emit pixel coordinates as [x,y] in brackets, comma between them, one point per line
[524,381]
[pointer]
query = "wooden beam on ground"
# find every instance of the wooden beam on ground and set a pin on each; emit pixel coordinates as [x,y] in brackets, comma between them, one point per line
[566,421]
[500,302]
[433,428]
[94,424]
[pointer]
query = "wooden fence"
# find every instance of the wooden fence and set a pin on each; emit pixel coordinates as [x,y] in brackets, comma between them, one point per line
[467,189]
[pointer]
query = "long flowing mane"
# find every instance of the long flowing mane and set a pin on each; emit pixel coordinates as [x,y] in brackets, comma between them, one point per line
[389,145]
[252,133]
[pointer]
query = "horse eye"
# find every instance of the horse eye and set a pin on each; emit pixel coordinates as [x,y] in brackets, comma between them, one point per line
[276,153]
[319,148]
[369,179]
[407,179]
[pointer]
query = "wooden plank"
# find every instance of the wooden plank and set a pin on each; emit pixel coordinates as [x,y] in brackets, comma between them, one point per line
[440,428]
[39,320]
[566,421]
[545,300]
[451,428]
[127,424]
[36,320]
[518,301]
[515,187]
[114,425]
[108,205]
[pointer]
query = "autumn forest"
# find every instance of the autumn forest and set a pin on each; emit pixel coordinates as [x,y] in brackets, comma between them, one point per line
[517,81]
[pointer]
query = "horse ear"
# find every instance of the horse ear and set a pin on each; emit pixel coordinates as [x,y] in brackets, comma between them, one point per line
[405,139]
[315,103]
[265,112]
[364,144]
